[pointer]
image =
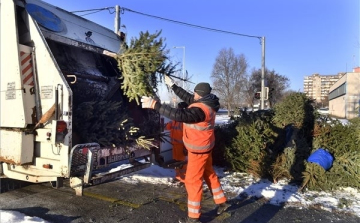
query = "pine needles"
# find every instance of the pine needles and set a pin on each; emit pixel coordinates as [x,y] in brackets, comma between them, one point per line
[107,123]
[142,65]
[264,146]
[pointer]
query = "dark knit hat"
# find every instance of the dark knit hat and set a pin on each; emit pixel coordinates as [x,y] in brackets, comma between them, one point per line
[182,104]
[202,89]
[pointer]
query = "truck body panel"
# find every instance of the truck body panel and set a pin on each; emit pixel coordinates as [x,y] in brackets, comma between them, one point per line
[52,62]
[11,84]
[61,25]
[16,147]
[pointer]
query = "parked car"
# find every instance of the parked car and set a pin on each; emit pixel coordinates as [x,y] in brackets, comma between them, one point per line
[323,111]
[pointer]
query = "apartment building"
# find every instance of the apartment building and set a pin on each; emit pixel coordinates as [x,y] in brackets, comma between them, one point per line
[344,96]
[317,86]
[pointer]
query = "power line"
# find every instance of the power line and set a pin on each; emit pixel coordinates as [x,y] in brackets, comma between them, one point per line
[191,25]
[262,42]
[92,11]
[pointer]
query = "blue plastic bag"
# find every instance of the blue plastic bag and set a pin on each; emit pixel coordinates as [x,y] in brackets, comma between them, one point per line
[321,157]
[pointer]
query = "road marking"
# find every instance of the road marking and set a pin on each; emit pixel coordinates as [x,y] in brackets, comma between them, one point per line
[182,205]
[112,200]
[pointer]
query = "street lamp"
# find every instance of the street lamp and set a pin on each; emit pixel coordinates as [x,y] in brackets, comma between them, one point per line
[183,63]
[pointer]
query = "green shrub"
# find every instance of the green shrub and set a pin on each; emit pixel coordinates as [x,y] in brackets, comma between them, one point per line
[224,134]
[249,150]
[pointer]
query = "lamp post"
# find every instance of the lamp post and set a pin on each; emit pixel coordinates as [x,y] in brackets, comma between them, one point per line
[183,63]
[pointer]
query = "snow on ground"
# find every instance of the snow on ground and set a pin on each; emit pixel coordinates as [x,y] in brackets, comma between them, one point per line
[14,216]
[221,119]
[242,185]
[237,186]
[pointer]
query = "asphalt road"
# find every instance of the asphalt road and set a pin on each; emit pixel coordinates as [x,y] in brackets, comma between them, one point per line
[117,201]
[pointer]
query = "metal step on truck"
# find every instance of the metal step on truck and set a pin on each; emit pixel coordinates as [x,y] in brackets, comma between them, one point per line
[58,82]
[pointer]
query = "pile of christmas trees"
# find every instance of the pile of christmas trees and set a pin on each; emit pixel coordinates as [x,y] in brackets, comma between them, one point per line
[277,145]
[142,64]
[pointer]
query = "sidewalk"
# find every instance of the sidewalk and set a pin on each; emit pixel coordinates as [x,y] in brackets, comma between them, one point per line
[117,201]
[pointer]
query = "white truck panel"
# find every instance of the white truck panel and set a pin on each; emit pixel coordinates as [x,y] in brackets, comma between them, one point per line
[16,147]
[49,77]
[11,83]
[23,97]
[19,147]
[0,39]
[29,173]
[74,28]
[10,108]
[48,73]
[52,61]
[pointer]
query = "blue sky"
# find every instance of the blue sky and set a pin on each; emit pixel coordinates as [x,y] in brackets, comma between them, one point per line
[303,37]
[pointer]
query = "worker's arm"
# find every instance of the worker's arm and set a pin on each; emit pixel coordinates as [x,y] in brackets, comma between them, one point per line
[183,94]
[187,115]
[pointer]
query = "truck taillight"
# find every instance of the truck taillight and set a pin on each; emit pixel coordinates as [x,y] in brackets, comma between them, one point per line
[59,131]
[61,127]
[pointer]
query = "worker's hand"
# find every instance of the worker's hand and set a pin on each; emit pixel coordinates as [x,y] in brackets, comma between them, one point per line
[148,102]
[168,81]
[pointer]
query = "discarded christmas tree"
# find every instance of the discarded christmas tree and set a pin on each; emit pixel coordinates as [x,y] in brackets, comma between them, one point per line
[143,64]
[249,151]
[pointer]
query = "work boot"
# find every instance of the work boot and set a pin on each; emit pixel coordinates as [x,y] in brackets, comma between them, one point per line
[189,220]
[222,208]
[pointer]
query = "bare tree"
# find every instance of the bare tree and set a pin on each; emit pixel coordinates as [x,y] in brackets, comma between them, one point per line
[251,87]
[228,76]
[277,84]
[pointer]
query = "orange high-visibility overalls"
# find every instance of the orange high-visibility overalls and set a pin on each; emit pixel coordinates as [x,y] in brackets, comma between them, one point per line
[176,134]
[199,140]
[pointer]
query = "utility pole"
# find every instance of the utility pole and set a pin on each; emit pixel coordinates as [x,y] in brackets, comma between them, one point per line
[117,19]
[262,73]
[262,94]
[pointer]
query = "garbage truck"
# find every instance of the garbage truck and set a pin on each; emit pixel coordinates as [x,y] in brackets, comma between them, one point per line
[52,63]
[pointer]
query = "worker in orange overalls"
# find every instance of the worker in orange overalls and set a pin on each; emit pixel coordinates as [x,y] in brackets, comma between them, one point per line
[199,139]
[176,135]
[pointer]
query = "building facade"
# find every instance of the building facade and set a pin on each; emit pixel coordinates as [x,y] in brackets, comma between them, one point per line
[344,96]
[317,86]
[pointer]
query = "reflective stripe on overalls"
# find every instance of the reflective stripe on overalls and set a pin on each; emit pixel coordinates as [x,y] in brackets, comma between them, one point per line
[199,140]
[199,137]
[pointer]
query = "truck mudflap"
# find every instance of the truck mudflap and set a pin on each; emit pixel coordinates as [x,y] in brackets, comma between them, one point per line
[91,164]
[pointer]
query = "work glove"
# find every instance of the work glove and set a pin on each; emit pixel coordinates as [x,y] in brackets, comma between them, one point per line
[168,81]
[148,102]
